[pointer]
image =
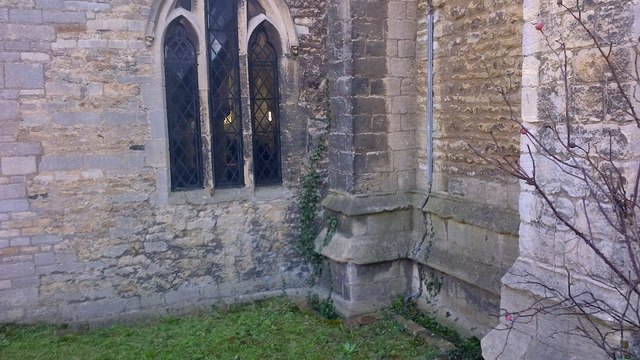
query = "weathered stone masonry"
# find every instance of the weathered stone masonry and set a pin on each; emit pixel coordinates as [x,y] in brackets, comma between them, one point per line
[90,231]
[380,143]
[88,227]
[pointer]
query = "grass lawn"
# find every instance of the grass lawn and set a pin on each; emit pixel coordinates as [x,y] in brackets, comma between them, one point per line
[270,329]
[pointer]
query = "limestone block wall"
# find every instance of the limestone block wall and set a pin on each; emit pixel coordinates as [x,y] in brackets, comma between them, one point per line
[553,260]
[378,152]
[467,233]
[372,46]
[89,229]
[371,147]
[476,42]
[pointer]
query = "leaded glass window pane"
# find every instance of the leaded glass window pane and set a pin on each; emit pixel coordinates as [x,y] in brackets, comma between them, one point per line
[224,86]
[183,110]
[263,84]
[185,4]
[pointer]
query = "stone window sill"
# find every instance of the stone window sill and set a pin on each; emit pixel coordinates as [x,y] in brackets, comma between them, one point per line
[215,196]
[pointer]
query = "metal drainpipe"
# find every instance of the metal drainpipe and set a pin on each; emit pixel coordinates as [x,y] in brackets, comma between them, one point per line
[430,26]
[416,250]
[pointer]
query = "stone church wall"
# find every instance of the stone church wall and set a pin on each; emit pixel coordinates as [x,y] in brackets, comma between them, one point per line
[379,184]
[89,229]
[470,218]
[558,276]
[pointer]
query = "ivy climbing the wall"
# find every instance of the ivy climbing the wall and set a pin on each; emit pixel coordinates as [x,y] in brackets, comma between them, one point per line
[309,203]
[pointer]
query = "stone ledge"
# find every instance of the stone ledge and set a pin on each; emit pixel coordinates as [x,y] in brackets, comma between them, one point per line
[351,205]
[428,337]
[366,249]
[482,215]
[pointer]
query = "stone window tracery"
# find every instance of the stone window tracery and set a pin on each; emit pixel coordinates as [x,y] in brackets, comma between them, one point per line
[192,161]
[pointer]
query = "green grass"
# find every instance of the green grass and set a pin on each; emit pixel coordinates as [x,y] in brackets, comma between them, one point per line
[271,329]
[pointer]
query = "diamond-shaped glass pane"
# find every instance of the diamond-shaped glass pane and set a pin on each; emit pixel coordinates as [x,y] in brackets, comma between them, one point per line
[263,78]
[183,115]
[185,4]
[222,53]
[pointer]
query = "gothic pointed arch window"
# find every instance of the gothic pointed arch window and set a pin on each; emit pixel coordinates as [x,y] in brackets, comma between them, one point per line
[263,85]
[224,92]
[183,109]
[218,137]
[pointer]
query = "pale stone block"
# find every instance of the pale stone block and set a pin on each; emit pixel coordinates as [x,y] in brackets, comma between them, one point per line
[304,21]
[182,296]
[108,24]
[21,241]
[12,271]
[158,123]
[403,105]
[93,309]
[76,118]
[66,176]
[62,88]
[27,32]
[46,240]
[34,56]
[35,119]
[401,67]
[12,191]
[530,71]
[18,297]
[9,109]
[9,206]
[86,6]
[120,118]
[529,105]
[49,4]
[529,207]
[401,29]
[401,141]
[136,25]
[18,165]
[406,48]
[156,154]
[24,76]
[92,174]
[403,160]
[94,89]
[25,16]
[58,163]
[118,44]
[37,92]
[532,40]
[17,45]
[44,259]
[63,44]
[396,10]
[63,17]
[93,43]
[302,30]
